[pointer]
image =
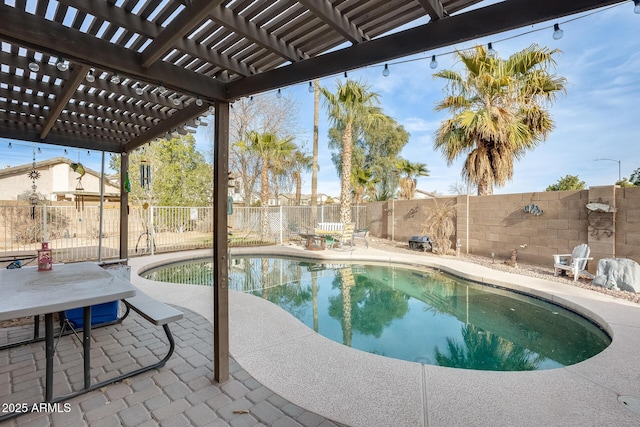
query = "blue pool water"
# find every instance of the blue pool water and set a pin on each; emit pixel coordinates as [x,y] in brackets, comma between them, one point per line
[411,314]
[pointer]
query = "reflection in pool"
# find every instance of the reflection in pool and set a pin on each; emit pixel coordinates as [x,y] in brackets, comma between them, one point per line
[411,314]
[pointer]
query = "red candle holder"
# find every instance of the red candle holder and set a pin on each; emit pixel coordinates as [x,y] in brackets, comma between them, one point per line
[45,258]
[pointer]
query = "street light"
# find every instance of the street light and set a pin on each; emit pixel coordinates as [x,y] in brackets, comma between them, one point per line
[612,160]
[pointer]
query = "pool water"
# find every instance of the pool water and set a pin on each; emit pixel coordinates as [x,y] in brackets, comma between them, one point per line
[412,314]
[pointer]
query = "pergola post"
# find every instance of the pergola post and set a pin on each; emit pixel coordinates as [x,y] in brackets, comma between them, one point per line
[220,244]
[124,207]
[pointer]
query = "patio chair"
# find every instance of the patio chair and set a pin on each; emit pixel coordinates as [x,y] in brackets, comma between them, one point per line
[575,262]
[346,238]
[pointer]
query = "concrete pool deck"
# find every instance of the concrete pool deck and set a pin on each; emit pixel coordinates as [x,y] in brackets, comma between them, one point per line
[362,389]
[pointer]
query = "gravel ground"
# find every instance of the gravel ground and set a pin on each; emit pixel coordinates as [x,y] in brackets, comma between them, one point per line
[542,272]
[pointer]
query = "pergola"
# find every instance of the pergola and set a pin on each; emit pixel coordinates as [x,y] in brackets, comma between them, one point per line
[112,75]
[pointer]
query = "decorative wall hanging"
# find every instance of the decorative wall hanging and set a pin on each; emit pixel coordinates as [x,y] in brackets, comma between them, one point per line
[145,174]
[79,169]
[600,217]
[533,210]
[33,197]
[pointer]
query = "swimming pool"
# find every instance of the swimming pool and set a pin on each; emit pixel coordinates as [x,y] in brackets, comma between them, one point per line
[411,314]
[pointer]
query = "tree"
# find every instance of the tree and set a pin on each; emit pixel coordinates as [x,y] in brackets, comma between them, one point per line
[568,182]
[376,149]
[272,151]
[352,101]
[624,182]
[263,114]
[180,175]
[635,177]
[362,181]
[297,163]
[498,110]
[409,182]
[314,171]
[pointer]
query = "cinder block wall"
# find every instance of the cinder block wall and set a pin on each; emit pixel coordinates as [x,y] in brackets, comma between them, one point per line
[499,223]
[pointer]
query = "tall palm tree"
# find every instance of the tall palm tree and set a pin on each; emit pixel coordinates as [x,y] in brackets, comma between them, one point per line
[498,109]
[271,150]
[352,101]
[409,182]
[314,171]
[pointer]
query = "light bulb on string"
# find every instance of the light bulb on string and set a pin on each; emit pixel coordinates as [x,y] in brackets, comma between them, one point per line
[61,65]
[10,146]
[346,76]
[90,77]
[115,78]
[310,87]
[636,9]
[139,90]
[279,94]
[557,32]
[385,71]
[34,66]
[491,51]
[199,102]
[433,64]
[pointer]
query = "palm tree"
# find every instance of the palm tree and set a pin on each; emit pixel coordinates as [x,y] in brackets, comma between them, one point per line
[498,112]
[411,173]
[271,151]
[352,101]
[361,179]
[299,162]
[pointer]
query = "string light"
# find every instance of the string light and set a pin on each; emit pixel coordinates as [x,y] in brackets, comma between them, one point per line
[161,89]
[345,75]
[34,66]
[433,64]
[279,94]
[310,87]
[558,32]
[199,102]
[139,90]
[90,77]
[115,78]
[636,9]
[10,146]
[491,51]
[386,71]
[61,65]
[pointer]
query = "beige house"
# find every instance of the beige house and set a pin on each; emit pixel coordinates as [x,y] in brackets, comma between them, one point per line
[57,181]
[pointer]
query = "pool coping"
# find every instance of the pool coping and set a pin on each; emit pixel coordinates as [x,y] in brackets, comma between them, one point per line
[362,389]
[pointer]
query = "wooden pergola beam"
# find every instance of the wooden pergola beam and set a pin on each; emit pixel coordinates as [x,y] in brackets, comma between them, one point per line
[471,25]
[55,39]
[191,16]
[324,10]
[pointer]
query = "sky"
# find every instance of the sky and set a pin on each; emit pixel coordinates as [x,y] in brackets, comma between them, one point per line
[597,118]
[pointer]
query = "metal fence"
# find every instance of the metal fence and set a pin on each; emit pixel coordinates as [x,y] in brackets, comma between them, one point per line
[81,234]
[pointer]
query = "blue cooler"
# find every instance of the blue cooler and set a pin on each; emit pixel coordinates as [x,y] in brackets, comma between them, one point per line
[101,313]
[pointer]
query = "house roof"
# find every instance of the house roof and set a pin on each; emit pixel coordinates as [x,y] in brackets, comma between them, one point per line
[205,51]
[26,168]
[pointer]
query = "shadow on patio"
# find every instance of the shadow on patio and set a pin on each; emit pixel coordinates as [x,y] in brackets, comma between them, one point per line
[180,393]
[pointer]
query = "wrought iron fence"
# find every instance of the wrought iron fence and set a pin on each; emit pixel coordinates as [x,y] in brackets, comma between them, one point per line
[79,234]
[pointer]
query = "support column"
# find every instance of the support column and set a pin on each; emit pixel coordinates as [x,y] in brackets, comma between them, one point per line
[124,207]
[220,243]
